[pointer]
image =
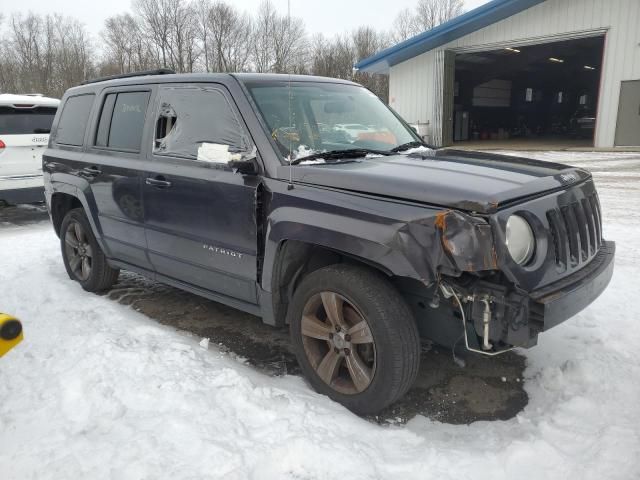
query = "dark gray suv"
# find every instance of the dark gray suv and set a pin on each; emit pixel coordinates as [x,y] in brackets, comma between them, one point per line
[308,202]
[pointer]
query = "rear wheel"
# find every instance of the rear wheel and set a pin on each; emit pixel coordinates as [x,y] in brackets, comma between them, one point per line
[83,259]
[354,336]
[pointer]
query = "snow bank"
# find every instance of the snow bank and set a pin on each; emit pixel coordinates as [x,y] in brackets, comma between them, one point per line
[97,391]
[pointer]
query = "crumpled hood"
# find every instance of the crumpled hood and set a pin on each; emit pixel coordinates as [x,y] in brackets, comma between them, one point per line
[472,181]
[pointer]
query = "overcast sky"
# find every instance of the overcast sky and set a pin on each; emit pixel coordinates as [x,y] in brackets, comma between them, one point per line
[326,16]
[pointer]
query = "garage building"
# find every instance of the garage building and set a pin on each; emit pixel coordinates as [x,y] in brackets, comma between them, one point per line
[561,72]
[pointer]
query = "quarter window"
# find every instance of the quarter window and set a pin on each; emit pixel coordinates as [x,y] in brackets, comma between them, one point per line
[74,119]
[194,121]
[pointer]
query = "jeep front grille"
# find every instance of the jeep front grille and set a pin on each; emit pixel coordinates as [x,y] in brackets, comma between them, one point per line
[577,232]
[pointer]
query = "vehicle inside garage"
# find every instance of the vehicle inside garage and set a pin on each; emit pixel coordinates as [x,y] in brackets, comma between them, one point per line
[545,94]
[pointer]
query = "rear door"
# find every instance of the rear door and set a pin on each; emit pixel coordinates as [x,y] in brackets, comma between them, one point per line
[24,134]
[113,167]
[200,216]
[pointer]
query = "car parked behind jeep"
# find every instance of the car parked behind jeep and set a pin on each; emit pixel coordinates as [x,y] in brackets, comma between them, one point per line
[308,202]
[25,122]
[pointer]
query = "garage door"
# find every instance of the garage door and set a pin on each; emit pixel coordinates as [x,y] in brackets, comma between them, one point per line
[628,126]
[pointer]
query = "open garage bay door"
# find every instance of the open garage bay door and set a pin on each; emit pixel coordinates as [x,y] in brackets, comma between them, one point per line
[536,94]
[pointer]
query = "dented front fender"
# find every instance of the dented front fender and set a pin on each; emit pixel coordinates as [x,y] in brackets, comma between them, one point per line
[400,238]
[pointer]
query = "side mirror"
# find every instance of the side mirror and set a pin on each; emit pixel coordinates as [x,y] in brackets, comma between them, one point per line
[246,165]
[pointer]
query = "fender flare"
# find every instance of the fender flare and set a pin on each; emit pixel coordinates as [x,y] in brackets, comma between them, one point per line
[377,249]
[80,189]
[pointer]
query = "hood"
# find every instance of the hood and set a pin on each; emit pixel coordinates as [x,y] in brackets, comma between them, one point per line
[472,181]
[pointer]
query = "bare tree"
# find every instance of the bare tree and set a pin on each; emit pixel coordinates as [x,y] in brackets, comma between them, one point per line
[263,37]
[231,38]
[404,26]
[431,13]
[50,53]
[335,57]
[155,23]
[332,57]
[125,46]
[201,11]
[279,43]
[289,45]
[45,54]
[426,15]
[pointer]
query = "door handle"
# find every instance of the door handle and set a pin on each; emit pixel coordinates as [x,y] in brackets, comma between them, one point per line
[92,171]
[158,182]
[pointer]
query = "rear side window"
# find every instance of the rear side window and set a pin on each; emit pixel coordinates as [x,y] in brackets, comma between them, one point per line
[197,122]
[74,119]
[122,121]
[19,121]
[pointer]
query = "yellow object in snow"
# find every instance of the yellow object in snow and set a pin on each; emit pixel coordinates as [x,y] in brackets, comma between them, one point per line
[10,333]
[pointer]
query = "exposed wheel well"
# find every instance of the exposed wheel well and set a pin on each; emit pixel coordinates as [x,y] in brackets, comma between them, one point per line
[61,204]
[297,259]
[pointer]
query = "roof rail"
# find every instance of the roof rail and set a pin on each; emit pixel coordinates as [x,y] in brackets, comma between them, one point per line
[159,71]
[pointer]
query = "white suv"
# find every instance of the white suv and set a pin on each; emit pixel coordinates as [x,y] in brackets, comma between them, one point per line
[25,121]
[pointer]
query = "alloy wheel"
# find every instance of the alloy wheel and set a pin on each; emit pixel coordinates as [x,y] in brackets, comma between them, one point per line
[338,343]
[78,250]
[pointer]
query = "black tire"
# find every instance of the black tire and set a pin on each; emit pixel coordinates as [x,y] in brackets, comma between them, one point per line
[396,343]
[99,276]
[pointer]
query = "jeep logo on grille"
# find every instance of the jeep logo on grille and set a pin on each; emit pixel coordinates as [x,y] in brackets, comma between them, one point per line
[568,178]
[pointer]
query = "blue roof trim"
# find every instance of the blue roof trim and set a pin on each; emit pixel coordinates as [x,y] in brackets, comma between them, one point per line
[465,24]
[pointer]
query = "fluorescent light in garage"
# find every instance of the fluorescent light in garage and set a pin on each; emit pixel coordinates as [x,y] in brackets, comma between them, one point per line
[514,50]
[589,67]
[557,60]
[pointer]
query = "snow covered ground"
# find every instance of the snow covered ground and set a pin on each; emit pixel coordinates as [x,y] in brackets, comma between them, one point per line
[99,391]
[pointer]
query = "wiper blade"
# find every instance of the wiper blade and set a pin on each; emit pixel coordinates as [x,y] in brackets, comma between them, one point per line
[346,153]
[408,145]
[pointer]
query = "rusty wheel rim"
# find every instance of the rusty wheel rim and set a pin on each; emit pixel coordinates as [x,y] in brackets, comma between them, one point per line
[338,343]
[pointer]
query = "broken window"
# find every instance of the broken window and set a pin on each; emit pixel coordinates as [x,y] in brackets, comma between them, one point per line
[194,121]
[164,126]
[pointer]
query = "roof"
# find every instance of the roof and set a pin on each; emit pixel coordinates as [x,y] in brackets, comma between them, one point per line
[27,101]
[283,77]
[145,78]
[474,20]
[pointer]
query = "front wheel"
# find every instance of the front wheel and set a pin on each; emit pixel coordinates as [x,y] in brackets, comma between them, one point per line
[354,337]
[83,258]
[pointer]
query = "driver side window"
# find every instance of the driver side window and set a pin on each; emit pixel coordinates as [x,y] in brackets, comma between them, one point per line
[198,122]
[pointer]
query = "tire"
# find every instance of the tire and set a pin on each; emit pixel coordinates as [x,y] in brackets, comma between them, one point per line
[363,382]
[78,242]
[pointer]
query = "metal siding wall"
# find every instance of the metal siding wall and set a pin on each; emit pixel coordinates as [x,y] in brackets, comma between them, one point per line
[417,85]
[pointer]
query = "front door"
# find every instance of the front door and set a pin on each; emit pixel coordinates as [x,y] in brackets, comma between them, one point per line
[200,216]
[628,126]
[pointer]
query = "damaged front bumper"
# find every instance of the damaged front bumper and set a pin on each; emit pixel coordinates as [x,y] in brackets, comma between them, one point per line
[560,301]
[497,318]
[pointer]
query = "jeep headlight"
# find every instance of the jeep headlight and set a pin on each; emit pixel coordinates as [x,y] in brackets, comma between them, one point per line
[520,240]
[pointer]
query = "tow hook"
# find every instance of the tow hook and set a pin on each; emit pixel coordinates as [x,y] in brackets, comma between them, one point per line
[486,318]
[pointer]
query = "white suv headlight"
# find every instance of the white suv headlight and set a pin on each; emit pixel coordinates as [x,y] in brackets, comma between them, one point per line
[520,240]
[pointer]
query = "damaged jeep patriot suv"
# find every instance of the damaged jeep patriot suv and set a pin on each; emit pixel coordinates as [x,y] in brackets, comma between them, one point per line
[308,202]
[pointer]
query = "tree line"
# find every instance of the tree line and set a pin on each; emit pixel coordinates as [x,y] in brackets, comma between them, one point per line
[49,53]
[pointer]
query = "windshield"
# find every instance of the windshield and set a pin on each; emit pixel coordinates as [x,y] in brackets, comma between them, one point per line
[307,118]
[22,122]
